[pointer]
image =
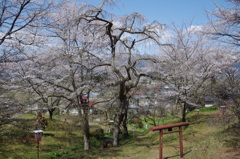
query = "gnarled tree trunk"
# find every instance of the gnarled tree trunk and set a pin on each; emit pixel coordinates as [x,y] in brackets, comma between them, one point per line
[124,124]
[117,123]
[119,116]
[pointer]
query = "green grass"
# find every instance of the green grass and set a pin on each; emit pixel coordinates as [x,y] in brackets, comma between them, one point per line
[201,139]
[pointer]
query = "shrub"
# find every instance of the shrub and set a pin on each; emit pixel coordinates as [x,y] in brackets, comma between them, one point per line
[97,133]
[138,122]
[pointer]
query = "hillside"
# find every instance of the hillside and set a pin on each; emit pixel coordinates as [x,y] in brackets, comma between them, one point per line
[204,138]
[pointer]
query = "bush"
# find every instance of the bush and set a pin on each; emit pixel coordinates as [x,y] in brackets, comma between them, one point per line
[137,122]
[58,154]
[96,143]
[97,133]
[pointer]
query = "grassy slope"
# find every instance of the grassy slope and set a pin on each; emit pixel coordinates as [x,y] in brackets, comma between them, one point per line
[201,140]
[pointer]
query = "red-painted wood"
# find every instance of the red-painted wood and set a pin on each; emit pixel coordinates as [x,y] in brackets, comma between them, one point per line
[169,126]
[180,142]
[160,144]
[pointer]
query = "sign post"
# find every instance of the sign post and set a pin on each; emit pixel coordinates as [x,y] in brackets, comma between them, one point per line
[37,138]
[197,111]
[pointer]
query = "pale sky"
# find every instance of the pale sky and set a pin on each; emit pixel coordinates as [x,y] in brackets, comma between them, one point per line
[168,11]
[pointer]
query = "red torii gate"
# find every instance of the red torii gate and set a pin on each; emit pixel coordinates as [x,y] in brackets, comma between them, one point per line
[169,127]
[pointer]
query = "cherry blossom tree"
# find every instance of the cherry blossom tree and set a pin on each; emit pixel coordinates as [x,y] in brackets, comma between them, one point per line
[188,65]
[41,94]
[227,89]
[126,37]
[68,67]
[224,25]
[17,15]
[16,18]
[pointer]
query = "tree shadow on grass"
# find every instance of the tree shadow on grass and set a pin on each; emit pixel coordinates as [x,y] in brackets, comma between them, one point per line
[177,155]
[197,119]
[232,138]
[94,153]
[144,141]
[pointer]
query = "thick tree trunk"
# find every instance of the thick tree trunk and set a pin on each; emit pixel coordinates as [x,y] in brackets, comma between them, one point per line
[86,131]
[119,120]
[121,112]
[124,124]
[86,142]
[83,114]
[83,111]
[184,112]
[116,132]
[125,131]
